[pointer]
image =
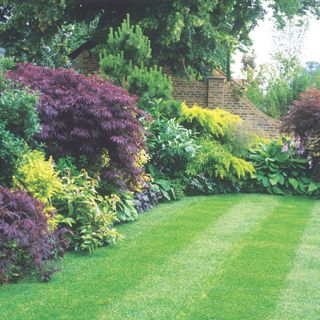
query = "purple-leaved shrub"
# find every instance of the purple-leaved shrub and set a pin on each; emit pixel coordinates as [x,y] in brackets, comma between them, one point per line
[86,116]
[26,243]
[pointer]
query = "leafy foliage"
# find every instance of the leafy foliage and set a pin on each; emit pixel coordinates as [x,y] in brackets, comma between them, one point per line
[69,165]
[217,123]
[83,116]
[126,49]
[38,177]
[148,198]
[171,147]
[275,100]
[90,215]
[11,148]
[215,161]
[164,108]
[125,62]
[306,78]
[149,84]
[125,207]
[200,184]
[303,121]
[274,87]
[19,122]
[271,88]
[281,170]
[169,189]
[26,243]
[196,35]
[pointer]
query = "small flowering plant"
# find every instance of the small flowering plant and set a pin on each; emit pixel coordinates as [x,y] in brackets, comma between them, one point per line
[303,121]
[293,146]
[283,167]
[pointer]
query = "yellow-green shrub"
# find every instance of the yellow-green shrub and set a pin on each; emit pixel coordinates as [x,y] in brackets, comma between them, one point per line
[215,161]
[217,122]
[37,176]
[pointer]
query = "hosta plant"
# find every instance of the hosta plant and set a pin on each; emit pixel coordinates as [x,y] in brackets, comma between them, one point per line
[169,189]
[200,184]
[125,207]
[280,169]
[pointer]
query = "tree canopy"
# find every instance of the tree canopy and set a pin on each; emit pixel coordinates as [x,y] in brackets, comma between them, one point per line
[194,35]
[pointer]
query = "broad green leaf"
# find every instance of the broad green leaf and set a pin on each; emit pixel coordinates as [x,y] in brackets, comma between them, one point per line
[313,187]
[274,180]
[265,182]
[281,180]
[294,183]
[277,190]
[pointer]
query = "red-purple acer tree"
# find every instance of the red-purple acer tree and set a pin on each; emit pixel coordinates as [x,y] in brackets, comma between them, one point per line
[86,116]
[26,242]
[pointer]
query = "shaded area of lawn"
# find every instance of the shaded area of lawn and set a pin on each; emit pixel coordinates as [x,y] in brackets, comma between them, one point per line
[221,257]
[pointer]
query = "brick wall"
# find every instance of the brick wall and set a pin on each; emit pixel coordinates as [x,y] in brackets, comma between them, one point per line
[215,92]
[224,95]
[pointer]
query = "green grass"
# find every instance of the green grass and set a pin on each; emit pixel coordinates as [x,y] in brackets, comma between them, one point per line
[222,257]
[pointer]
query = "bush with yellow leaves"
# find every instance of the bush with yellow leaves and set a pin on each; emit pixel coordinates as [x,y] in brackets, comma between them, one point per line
[38,177]
[218,123]
[215,161]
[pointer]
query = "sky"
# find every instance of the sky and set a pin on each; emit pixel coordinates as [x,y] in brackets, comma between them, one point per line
[263,44]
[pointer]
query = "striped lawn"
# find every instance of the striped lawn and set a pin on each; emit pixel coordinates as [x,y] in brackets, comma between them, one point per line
[222,257]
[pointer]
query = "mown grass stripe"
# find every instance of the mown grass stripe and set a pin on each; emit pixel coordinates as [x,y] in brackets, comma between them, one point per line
[148,244]
[163,293]
[250,285]
[300,299]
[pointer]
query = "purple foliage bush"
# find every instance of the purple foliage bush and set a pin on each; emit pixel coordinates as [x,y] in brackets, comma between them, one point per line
[86,116]
[26,243]
[303,121]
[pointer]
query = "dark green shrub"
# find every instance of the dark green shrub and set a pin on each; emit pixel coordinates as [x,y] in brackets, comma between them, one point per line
[125,49]
[19,122]
[125,60]
[164,108]
[68,165]
[149,84]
